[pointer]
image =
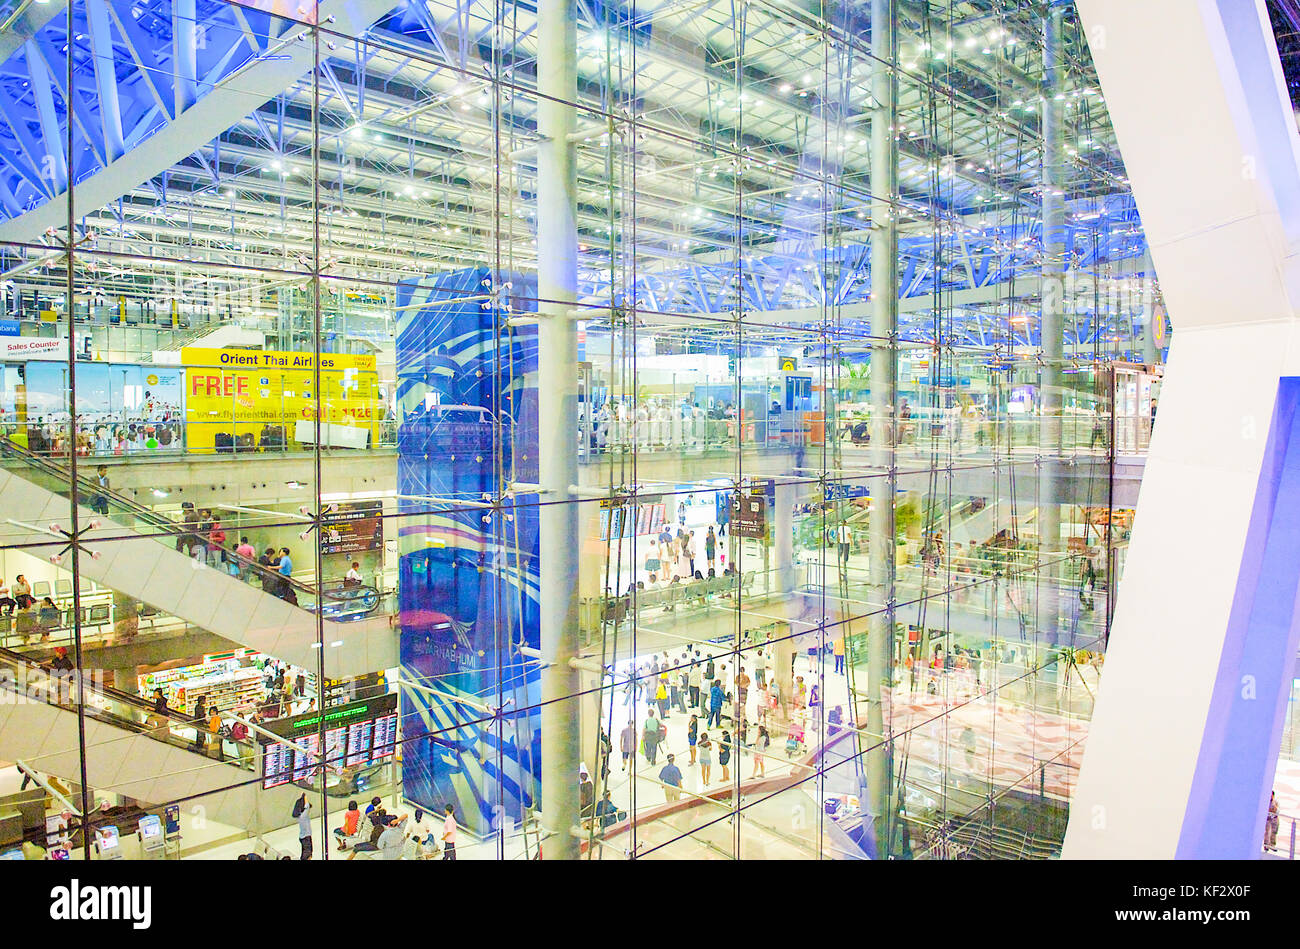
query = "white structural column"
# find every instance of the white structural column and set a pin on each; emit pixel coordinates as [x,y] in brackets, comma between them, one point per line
[1185,734]
[557,421]
[884,365]
[1052,330]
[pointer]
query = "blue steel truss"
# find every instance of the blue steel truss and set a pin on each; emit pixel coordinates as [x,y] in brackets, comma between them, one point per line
[137,67]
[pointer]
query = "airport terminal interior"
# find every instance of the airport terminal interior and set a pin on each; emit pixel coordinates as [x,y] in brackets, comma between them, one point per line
[569,429]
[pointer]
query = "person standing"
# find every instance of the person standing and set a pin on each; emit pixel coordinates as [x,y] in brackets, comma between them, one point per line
[214,734]
[761,744]
[690,551]
[711,548]
[676,686]
[1271,823]
[302,814]
[742,689]
[696,679]
[200,723]
[760,667]
[99,503]
[838,650]
[724,755]
[449,834]
[627,743]
[661,697]
[671,776]
[706,758]
[692,735]
[245,554]
[845,537]
[285,570]
[716,700]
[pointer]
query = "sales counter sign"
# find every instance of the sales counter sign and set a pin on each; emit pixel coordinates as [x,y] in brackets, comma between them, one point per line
[241,393]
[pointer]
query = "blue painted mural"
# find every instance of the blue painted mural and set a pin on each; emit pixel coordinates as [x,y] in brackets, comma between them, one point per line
[468,574]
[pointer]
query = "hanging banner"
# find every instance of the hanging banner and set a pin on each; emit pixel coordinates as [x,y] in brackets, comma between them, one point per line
[243,399]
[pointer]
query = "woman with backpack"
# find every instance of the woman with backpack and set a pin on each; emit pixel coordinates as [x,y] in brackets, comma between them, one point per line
[761,744]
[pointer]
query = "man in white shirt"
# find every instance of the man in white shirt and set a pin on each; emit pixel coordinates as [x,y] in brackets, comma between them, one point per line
[845,537]
[353,579]
[449,834]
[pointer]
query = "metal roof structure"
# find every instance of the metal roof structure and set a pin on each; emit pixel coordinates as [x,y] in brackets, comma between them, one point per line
[723,161]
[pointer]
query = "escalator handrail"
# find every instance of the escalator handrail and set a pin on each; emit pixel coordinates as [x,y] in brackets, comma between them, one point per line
[164,524]
[172,717]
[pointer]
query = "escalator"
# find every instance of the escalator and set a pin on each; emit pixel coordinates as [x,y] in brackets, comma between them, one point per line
[130,749]
[134,550]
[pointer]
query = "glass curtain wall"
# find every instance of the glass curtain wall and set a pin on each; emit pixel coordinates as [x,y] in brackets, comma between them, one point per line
[844,292]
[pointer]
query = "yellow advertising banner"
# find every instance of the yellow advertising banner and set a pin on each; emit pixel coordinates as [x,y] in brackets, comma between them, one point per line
[256,398]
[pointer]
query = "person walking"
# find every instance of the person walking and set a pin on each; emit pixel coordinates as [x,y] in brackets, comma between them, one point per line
[650,737]
[449,834]
[661,697]
[627,743]
[671,776]
[692,735]
[706,758]
[724,755]
[302,814]
[838,650]
[716,700]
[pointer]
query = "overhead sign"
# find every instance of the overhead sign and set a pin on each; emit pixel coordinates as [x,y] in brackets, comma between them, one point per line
[789,364]
[34,347]
[235,394]
[356,734]
[749,515]
[352,527]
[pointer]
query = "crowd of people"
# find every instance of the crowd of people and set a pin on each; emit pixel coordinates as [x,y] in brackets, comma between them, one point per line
[284,693]
[392,836]
[204,539]
[733,708]
[658,423]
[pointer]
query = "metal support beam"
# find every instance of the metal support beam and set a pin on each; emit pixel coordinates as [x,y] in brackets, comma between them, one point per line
[1053,326]
[557,417]
[884,366]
